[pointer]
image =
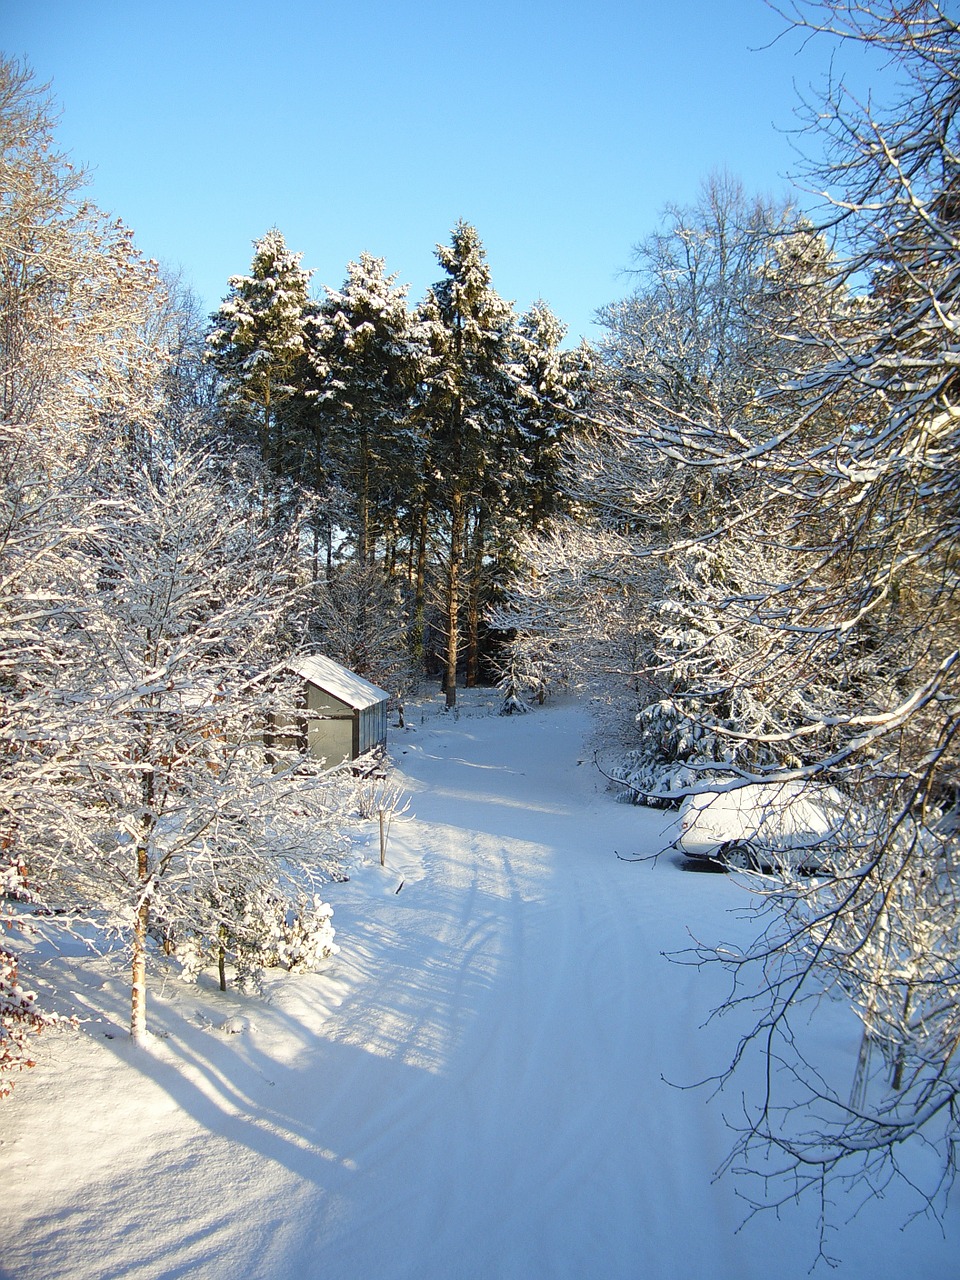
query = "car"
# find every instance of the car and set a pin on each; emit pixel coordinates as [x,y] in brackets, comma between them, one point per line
[763,826]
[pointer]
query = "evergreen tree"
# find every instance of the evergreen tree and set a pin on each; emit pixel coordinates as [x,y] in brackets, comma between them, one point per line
[257,345]
[469,406]
[365,359]
[553,383]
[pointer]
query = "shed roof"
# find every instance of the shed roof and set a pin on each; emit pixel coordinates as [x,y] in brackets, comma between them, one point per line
[343,684]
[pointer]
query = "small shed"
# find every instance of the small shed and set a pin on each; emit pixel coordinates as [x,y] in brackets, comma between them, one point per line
[340,715]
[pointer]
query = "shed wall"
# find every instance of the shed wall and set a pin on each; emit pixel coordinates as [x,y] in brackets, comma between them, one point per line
[372,727]
[330,726]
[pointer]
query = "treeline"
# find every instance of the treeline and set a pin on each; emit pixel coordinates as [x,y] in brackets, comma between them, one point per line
[414,444]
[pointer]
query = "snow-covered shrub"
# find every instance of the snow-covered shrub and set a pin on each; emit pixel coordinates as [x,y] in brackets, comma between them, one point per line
[529,669]
[512,705]
[375,792]
[307,938]
[528,673]
[268,931]
[683,743]
[20,1015]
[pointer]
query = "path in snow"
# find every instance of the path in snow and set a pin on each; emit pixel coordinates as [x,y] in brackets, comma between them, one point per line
[475,1089]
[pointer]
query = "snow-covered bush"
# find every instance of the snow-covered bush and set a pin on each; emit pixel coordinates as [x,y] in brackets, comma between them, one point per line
[260,928]
[378,793]
[308,936]
[528,673]
[20,1015]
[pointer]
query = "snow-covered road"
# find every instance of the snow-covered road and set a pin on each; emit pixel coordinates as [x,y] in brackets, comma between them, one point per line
[477,1088]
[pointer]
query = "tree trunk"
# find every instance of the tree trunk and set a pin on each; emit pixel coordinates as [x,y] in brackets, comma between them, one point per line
[315,554]
[138,985]
[473,603]
[391,536]
[319,487]
[363,501]
[420,586]
[266,455]
[453,596]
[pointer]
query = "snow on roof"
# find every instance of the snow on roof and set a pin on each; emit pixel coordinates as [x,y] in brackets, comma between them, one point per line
[343,684]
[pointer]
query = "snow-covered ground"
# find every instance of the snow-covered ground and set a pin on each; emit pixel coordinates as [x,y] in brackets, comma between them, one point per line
[477,1086]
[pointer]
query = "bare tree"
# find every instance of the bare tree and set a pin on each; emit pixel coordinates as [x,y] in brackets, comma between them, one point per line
[793,525]
[861,467]
[633,587]
[174,817]
[359,620]
[76,363]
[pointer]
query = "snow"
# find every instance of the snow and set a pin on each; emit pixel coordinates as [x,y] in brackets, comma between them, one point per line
[351,689]
[785,817]
[482,1083]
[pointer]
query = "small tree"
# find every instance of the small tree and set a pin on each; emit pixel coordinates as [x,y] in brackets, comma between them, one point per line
[167,671]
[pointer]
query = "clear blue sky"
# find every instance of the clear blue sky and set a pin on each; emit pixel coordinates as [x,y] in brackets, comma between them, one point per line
[558,131]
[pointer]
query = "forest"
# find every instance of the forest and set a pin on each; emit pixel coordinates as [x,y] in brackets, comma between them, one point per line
[734,522]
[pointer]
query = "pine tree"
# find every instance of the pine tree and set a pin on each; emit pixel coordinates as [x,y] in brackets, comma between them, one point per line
[469,406]
[366,361]
[552,384]
[257,344]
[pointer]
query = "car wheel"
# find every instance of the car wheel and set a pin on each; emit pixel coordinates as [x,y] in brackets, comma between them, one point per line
[739,856]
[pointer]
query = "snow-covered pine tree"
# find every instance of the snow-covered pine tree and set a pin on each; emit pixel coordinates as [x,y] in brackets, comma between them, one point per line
[469,407]
[257,345]
[367,360]
[553,383]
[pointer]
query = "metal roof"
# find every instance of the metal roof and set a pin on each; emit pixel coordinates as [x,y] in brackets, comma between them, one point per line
[343,684]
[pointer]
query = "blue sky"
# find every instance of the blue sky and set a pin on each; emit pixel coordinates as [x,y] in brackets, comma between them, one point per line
[559,131]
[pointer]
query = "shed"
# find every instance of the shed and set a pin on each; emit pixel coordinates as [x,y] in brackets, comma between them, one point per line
[340,715]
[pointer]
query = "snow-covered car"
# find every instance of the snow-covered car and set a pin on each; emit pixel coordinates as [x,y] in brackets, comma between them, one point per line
[762,826]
